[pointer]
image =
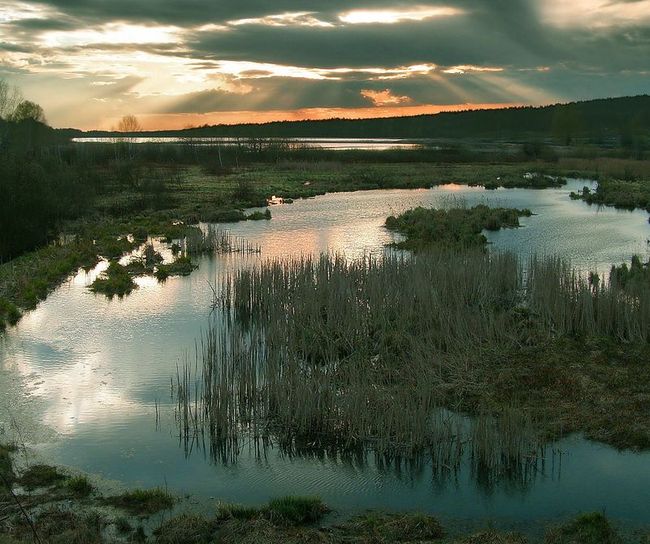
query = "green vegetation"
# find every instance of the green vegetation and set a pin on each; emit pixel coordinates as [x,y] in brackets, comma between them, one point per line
[41,476]
[79,486]
[60,525]
[115,280]
[143,501]
[451,228]
[530,181]
[9,313]
[627,194]
[256,216]
[237,511]
[290,520]
[636,276]
[281,511]
[186,529]
[182,266]
[295,510]
[7,475]
[381,527]
[592,528]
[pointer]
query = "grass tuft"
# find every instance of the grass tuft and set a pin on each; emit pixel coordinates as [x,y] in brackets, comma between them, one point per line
[381,527]
[227,511]
[592,528]
[186,529]
[115,280]
[41,476]
[79,486]
[142,501]
[296,510]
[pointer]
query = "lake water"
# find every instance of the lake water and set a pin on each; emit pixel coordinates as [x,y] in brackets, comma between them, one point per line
[336,144]
[98,368]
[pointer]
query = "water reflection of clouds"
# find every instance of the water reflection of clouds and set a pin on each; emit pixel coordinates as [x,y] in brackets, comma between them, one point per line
[76,391]
[110,359]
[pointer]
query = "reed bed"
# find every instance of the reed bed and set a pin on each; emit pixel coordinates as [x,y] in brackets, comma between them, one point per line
[213,240]
[330,355]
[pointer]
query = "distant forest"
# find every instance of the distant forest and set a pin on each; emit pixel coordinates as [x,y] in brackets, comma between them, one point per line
[605,120]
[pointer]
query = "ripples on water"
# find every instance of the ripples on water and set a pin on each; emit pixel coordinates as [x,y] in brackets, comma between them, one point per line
[101,366]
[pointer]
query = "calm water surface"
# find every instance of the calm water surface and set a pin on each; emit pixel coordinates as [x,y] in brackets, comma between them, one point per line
[339,144]
[99,367]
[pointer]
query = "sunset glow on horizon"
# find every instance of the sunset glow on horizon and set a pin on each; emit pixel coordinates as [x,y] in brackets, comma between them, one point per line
[181,121]
[178,64]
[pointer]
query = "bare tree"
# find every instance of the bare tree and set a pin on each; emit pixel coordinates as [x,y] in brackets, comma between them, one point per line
[129,123]
[10,97]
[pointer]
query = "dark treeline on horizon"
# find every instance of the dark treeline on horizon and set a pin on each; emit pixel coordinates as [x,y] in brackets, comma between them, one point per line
[599,120]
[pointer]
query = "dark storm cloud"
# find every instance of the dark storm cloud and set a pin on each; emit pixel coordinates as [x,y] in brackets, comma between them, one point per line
[541,58]
[42,25]
[489,32]
[448,42]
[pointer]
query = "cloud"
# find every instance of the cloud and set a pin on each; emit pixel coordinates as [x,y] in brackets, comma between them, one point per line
[200,56]
[465,68]
[111,34]
[300,18]
[595,14]
[391,16]
[385,97]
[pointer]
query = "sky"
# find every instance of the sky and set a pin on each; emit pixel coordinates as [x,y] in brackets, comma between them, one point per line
[176,64]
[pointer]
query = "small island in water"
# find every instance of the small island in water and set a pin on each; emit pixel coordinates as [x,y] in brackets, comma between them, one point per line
[294,300]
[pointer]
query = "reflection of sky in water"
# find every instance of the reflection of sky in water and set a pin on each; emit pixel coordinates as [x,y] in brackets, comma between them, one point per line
[339,144]
[100,365]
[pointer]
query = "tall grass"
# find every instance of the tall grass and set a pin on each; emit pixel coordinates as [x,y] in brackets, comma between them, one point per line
[324,354]
[212,240]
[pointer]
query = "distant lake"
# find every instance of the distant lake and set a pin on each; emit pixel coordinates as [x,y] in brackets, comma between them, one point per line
[100,371]
[341,144]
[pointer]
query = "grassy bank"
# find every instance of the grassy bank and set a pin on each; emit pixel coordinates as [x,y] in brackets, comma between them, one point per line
[52,507]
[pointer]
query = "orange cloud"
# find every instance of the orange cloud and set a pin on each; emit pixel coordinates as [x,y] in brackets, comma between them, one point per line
[384,98]
[184,120]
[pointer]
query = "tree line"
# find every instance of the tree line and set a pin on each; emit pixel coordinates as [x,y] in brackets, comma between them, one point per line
[611,121]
